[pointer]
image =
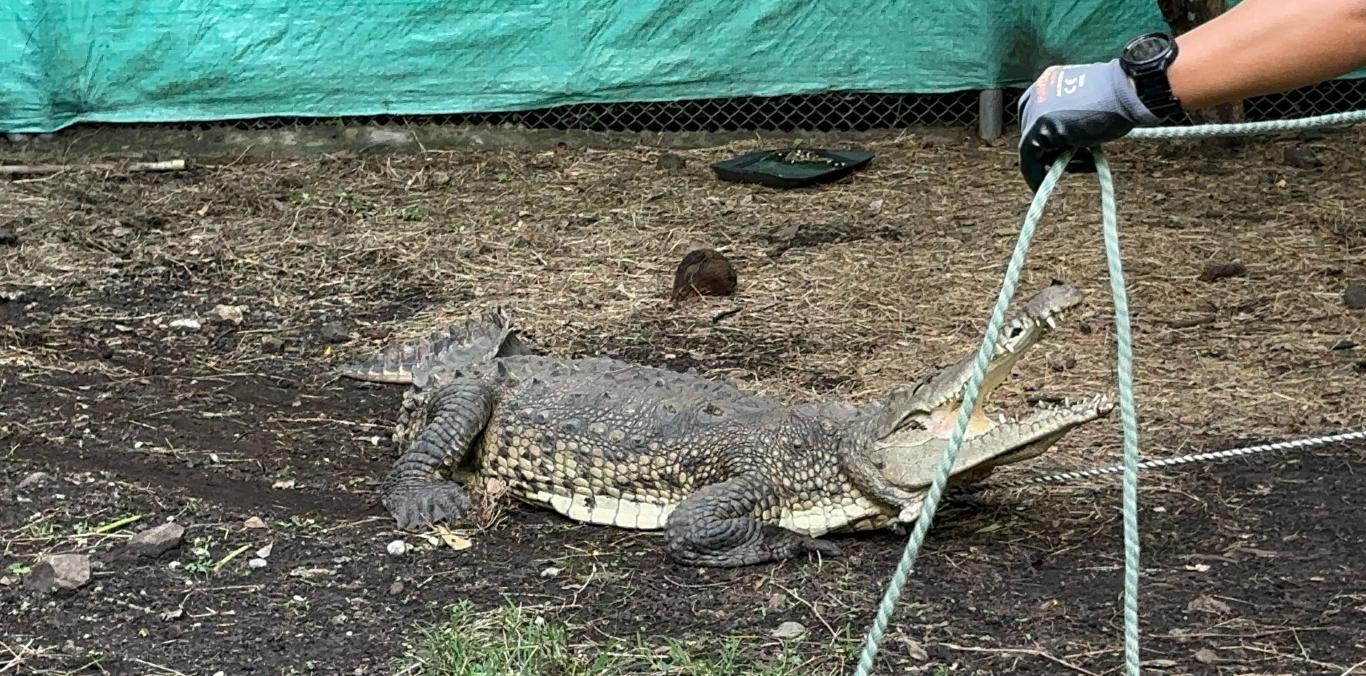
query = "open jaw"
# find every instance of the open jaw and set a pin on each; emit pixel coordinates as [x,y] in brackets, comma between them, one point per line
[910,453]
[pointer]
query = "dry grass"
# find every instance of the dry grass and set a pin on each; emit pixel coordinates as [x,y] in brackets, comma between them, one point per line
[580,244]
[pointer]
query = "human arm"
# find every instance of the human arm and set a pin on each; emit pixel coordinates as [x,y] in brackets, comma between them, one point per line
[1268,46]
[1258,47]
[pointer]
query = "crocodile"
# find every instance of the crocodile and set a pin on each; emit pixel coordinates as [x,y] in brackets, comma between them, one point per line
[731,477]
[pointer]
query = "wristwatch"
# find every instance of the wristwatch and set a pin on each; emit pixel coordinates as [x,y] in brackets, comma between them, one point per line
[1146,59]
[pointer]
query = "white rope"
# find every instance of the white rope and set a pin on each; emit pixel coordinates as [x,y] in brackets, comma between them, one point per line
[1076,475]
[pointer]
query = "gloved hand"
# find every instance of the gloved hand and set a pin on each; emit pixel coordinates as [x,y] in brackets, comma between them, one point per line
[1075,107]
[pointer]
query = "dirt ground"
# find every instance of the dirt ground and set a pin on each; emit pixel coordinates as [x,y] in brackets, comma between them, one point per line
[241,432]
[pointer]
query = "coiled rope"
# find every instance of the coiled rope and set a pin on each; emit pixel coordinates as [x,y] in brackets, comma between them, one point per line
[1128,415]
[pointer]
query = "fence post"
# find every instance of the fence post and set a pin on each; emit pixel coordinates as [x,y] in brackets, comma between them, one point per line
[990,114]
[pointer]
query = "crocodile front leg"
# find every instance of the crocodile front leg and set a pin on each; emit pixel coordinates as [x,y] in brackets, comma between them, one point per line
[715,526]
[413,492]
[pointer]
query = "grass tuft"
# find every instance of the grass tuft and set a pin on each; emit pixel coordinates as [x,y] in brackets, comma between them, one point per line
[515,640]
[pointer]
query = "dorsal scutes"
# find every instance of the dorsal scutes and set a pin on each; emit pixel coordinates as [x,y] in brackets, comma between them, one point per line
[475,340]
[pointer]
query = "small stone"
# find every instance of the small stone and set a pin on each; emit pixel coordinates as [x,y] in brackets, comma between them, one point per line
[257,562]
[1301,157]
[789,630]
[32,480]
[334,333]
[60,572]
[185,324]
[254,522]
[670,162]
[1354,296]
[272,344]
[1207,604]
[1206,656]
[552,571]
[915,650]
[396,588]
[156,541]
[228,314]
[264,552]
[1214,272]
[5,581]
[397,548]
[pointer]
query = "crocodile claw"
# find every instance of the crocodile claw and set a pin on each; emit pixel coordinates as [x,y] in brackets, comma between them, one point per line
[422,506]
[824,548]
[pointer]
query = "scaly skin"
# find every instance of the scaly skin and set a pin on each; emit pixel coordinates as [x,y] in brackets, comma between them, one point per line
[732,478]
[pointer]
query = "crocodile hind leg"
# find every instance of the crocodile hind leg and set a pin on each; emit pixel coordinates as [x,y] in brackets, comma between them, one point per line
[715,526]
[413,491]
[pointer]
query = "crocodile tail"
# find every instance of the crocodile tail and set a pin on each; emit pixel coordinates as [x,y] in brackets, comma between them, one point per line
[475,340]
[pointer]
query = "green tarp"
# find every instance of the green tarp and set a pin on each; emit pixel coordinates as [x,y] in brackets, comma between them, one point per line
[68,61]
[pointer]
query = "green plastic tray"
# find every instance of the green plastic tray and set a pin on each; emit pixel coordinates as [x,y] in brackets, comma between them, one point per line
[792,167]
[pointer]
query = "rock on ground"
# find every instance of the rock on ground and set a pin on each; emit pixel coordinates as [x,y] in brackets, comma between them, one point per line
[334,333]
[60,572]
[1354,296]
[1301,157]
[228,314]
[156,541]
[670,162]
[34,479]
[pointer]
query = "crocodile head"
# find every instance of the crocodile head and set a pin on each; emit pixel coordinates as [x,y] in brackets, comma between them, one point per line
[916,421]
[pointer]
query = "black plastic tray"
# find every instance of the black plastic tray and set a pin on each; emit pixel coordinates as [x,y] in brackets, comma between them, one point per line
[792,167]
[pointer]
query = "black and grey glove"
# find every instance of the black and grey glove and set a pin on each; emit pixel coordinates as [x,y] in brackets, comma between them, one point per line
[1076,107]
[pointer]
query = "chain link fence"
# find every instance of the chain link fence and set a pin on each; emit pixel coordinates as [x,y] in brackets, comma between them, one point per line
[825,112]
[832,111]
[1337,96]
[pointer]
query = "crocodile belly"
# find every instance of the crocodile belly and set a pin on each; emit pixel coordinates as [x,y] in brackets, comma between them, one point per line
[827,515]
[625,512]
[590,478]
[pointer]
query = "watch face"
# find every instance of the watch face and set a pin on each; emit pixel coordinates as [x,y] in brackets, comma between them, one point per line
[1146,48]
